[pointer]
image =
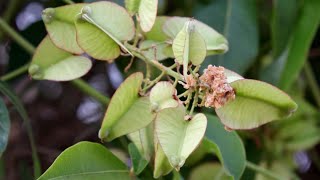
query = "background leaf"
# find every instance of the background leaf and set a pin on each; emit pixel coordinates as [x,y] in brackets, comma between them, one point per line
[156,33]
[237,21]
[215,42]
[208,171]
[4,126]
[51,63]
[139,163]
[23,113]
[256,103]
[227,146]
[285,13]
[303,35]
[86,160]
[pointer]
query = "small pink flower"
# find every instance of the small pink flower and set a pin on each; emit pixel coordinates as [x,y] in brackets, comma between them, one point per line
[218,91]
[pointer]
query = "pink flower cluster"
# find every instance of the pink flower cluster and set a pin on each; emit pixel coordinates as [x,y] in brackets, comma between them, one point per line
[214,83]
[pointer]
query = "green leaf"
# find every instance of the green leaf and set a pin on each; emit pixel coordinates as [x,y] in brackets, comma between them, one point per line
[302,37]
[256,103]
[237,19]
[283,20]
[178,137]
[156,33]
[154,50]
[139,163]
[215,42]
[143,140]
[189,46]
[227,146]
[59,23]
[297,140]
[51,63]
[127,112]
[208,171]
[162,96]
[86,160]
[132,6]
[102,28]
[4,126]
[23,113]
[147,14]
[162,165]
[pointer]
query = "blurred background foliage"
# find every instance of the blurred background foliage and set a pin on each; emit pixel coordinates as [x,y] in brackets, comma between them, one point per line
[277,41]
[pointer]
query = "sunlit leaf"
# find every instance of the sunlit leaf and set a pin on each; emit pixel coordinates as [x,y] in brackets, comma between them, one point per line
[139,163]
[127,112]
[86,160]
[102,28]
[256,103]
[147,14]
[178,137]
[215,42]
[4,126]
[302,37]
[51,63]
[162,96]
[59,23]
[189,46]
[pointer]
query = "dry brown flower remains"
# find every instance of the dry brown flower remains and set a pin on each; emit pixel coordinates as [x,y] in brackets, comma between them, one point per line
[217,90]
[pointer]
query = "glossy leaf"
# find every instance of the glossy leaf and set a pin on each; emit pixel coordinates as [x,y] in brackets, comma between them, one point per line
[227,146]
[4,126]
[126,108]
[189,46]
[147,14]
[102,28]
[178,137]
[139,163]
[59,23]
[86,160]
[215,42]
[51,63]
[256,103]
[162,96]
[237,20]
[156,33]
[162,165]
[208,171]
[302,37]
